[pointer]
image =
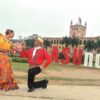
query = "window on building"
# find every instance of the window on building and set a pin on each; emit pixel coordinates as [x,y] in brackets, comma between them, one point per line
[80,42]
[57,41]
[54,41]
[51,41]
[60,42]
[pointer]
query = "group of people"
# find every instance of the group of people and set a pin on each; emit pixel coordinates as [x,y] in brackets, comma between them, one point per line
[38,60]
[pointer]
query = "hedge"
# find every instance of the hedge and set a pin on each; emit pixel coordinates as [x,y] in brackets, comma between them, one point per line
[20,60]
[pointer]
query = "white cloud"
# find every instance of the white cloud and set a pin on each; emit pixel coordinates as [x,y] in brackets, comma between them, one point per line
[48,17]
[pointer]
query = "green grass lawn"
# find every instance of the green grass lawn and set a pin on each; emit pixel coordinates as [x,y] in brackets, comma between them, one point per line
[20,66]
[54,66]
[23,67]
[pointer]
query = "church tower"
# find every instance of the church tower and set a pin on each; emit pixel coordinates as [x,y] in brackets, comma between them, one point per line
[78,30]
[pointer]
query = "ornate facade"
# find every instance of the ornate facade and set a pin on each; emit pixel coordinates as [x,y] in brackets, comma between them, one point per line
[78,30]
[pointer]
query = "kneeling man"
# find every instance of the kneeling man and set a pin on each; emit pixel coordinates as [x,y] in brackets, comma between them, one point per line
[38,59]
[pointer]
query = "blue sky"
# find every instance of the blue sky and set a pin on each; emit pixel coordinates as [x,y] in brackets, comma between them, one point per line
[48,17]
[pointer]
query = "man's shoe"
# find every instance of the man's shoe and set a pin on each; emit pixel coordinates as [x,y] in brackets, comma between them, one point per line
[31,89]
[45,85]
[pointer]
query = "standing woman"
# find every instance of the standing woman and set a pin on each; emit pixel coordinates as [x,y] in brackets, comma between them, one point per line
[7,81]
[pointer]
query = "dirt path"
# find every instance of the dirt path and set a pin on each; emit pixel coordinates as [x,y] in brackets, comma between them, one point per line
[78,73]
[54,92]
[75,73]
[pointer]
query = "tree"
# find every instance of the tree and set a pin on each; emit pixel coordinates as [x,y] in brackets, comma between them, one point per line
[90,45]
[75,41]
[46,43]
[98,45]
[30,42]
[66,41]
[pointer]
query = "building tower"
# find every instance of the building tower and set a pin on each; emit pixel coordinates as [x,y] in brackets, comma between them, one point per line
[78,30]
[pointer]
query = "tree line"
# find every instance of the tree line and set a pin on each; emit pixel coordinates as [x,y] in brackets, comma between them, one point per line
[89,45]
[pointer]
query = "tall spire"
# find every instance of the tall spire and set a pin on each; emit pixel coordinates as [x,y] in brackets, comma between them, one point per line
[71,22]
[85,24]
[80,21]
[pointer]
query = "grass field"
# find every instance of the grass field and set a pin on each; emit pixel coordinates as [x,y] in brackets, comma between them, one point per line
[60,74]
[24,66]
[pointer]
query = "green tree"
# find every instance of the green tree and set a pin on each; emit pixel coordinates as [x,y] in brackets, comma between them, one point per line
[98,45]
[90,45]
[75,41]
[46,43]
[30,42]
[66,40]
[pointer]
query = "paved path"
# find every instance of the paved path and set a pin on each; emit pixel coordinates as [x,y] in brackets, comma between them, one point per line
[54,92]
